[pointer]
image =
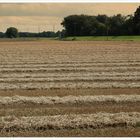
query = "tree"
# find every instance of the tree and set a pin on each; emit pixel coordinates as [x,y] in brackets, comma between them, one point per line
[12,32]
[62,34]
[84,25]
[2,35]
[102,18]
[136,21]
[128,26]
[116,23]
[78,25]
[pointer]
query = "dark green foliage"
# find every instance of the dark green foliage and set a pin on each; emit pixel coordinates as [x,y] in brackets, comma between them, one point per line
[83,25]
[11,32]
[2,35]
[102,25]
[116,25]
[80,25]
[136,21]
[42,34]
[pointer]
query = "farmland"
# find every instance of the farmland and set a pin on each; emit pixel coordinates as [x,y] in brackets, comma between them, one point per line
[69,88]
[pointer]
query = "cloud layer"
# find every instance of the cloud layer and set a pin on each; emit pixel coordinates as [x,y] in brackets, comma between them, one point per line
[63,9]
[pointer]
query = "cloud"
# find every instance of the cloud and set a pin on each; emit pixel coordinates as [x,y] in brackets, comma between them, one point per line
[63,9]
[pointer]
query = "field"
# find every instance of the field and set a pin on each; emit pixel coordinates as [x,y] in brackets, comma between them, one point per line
[69,88]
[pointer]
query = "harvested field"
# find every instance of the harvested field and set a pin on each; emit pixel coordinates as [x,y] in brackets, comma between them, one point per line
[53,64]
[80,88]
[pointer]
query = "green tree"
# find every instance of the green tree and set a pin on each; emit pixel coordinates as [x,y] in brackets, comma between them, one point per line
[116,23]
[102,18]
[136,21]
[128,26]
[84,25]
[12,32]
[78,25]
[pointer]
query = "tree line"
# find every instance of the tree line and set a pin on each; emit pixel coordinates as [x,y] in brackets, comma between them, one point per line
[102,25]
[12,32]
[85,25]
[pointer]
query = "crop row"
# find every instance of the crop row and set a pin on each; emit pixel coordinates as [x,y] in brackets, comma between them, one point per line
[82,121]
[48,100]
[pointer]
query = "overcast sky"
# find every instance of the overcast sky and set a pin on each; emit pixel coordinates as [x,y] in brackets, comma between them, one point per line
[40,17]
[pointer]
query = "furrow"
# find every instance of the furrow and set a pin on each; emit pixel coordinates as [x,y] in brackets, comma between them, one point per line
[61,122]
[71,79]
[70,74]
[66,85]
[59,65]
[82,69]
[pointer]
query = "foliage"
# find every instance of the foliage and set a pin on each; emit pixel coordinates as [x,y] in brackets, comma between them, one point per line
[12,32]
[136,21]
[42,34]
[102,25]
[2,35]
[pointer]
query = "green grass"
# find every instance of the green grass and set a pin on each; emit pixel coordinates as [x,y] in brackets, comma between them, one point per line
[103,38]
[28,39]
[77,38]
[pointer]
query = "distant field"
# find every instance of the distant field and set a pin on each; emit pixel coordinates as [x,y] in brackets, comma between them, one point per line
[104,38]
[69,88]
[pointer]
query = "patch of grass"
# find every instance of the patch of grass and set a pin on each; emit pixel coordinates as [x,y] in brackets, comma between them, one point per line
[76,38]
[103,38]
[29,39]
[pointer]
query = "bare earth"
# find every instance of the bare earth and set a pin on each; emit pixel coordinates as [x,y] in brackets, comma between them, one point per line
[64,75]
